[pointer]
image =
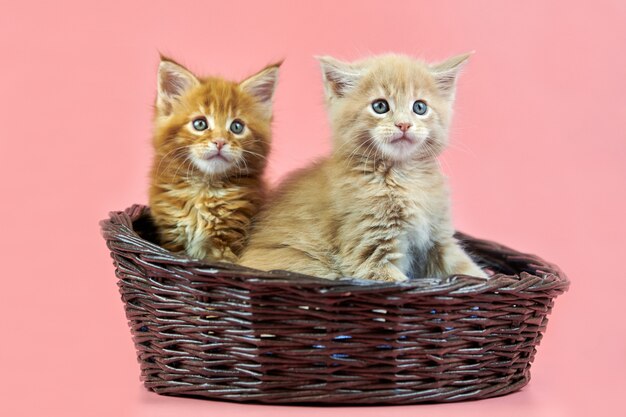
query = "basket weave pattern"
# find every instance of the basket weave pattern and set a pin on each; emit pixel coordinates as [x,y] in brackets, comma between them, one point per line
[221,331]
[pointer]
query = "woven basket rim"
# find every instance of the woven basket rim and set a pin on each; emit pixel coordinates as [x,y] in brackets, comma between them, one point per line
[121,237]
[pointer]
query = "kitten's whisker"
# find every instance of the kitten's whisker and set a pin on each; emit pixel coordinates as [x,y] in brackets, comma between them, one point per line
[188,173]
[238,165]
[174,152]
[365,154]
[370,143]
[175,160]
[369,152]
[354,152]
[462,149]
[245,164]
[342,146]
[192,170]
[172,160]
[187,160]
[254,153]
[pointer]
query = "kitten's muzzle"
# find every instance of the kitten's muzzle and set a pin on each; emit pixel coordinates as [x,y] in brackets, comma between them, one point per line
[217,149]
[215,155]
[403,137]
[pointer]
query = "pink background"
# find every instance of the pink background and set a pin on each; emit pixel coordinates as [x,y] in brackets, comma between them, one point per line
[538,162]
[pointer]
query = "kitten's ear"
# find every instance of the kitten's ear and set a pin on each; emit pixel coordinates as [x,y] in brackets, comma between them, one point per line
[262,85]
[447,72]
[339,77]
[173,81]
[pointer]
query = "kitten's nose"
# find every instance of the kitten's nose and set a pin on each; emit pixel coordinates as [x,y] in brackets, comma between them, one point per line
[403,126]
[219,143]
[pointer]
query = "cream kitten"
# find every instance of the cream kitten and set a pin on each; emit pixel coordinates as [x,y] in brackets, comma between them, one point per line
[378,207]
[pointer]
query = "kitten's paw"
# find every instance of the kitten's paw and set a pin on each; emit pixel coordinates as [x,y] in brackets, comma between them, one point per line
[474,271]
[388,274]
[230,257]
[224,255]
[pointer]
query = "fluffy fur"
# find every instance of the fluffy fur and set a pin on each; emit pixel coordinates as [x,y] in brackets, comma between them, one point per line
[206,180]
[378,207]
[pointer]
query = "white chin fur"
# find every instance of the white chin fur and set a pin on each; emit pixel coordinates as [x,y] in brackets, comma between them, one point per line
[401,151]
[212,166]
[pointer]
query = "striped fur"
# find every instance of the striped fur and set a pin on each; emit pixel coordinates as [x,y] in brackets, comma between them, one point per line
[204,205]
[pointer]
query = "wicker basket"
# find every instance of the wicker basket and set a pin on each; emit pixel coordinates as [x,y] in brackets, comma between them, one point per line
[225,332]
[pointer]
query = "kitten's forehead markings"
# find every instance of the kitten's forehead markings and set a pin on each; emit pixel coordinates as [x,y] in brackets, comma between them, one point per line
[383,92]
[209,117]
[230,118]
[211,121]
[209,108]
[395,95]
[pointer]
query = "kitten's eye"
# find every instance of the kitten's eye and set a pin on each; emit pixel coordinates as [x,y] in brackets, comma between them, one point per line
[420,107]
[236,126]
[200,124]
[380,106]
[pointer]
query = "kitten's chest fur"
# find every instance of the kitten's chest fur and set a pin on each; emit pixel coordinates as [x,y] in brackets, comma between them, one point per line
[409,207]
[207,221]
[416,237]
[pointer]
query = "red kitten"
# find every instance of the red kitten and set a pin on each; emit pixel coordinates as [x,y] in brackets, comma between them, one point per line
[211,140]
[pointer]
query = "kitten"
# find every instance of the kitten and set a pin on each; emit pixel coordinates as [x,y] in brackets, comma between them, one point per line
[211,140]
[378,207]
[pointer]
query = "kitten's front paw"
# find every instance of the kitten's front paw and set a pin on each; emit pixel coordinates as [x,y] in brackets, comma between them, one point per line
[229,257]
[474,271]
[388,274]
[221,255]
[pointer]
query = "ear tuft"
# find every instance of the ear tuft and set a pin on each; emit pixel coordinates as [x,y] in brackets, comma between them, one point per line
[339,77]
[446,72]
[174,80]
[262,85]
